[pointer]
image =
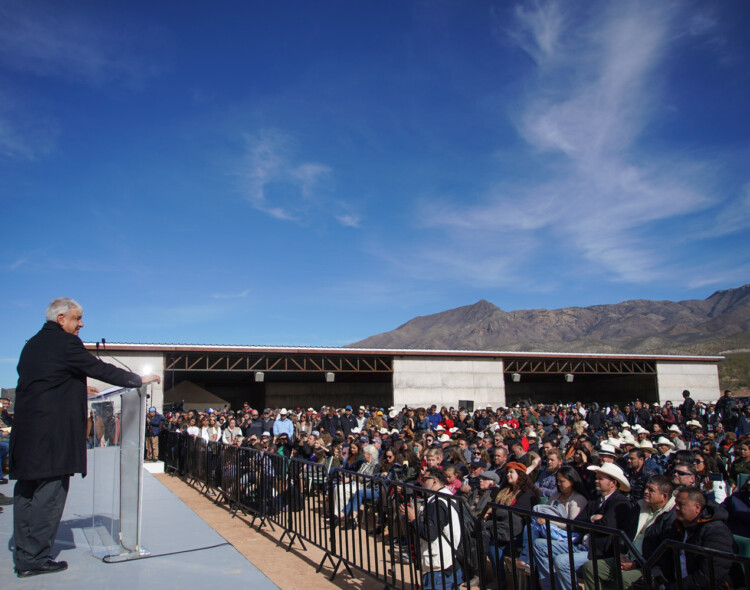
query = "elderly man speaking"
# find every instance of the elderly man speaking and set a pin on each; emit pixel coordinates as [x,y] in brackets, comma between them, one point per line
[48,440]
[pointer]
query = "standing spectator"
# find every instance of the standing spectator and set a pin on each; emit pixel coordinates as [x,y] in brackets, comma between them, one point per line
[438,528]
[726,408]
[231,433]
[361,420]
[94,430]
[348,421]
[283,425]
[687,405]
[267,421]
[153,428]
[6,423]
[254,426]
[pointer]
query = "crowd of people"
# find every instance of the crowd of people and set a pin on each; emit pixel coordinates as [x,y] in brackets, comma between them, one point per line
[655,472]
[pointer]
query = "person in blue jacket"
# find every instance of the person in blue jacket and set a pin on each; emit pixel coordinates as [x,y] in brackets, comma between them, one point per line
[153,428]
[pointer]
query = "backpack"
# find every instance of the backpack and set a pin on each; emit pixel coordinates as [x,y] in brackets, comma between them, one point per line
[466,554]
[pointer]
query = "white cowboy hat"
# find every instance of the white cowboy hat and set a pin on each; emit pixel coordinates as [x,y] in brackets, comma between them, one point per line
[646,444]
[607,449]
[356,430]
[675,428]
[444,438]
[614,442]
[663,440]
[439,427]
[627,439]
[615,472]
[694,423]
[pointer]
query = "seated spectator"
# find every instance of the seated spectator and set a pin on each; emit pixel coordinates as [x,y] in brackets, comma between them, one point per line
[696,523]
[637,472]
[470,484]
[570,491]
[665,448]
[452,479]
[546,483]
[738,507]
[499,461]
[519,492]
[581,461]
[741,463]
[363,488]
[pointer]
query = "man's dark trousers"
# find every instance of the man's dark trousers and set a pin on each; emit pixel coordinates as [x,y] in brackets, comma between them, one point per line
[37,509]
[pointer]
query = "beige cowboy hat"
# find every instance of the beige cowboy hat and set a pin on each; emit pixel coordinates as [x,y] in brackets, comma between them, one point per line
[607,449]
[615,472]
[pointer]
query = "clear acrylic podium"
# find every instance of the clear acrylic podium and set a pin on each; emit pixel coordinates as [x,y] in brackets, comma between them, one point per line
[116,472]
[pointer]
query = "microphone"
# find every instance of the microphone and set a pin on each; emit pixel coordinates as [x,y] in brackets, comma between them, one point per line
[104,344]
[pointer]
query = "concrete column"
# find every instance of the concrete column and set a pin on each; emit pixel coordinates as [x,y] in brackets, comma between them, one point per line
[701,379]
[443,381]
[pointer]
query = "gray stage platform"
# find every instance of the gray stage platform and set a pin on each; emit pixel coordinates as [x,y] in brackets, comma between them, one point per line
[169,526]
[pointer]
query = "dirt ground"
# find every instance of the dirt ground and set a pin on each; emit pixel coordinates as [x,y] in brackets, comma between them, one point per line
[289,570]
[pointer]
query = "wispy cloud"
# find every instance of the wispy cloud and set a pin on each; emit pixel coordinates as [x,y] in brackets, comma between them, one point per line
[594,90]
[273,181]
[349,220]
[56,40]
[239,295]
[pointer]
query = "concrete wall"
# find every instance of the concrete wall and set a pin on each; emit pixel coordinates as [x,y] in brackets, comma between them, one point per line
[701,379]
[315,395]
[444,381]
[138,363]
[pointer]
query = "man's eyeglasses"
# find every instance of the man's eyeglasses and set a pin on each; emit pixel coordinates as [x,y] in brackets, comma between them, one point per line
[683,473]
[478,453]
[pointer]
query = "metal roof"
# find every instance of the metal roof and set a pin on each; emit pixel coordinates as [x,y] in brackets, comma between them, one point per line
[144,347]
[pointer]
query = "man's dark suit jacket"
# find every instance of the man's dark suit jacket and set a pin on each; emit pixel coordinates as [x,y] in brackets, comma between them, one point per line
[615,511]
[49,426]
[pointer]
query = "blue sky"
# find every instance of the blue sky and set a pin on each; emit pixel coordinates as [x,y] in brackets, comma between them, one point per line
[312,173]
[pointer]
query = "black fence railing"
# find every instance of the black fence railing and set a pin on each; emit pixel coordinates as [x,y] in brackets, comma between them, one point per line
[408,537]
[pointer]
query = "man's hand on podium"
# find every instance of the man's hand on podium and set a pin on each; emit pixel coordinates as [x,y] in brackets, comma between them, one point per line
[151,379]
[91,390]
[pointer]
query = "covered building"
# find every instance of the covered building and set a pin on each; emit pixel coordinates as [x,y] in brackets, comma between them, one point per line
[311,377]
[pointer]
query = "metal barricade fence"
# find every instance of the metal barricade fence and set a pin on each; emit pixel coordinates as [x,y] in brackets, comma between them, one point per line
[356,516]
[552,550]
[735,569]
[405,536]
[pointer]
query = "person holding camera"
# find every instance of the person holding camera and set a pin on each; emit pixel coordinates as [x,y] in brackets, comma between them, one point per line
[438,528]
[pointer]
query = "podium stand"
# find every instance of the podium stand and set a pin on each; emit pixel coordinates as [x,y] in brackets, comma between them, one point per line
[117,473]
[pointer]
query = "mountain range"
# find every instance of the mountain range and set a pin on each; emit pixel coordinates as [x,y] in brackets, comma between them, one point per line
[717,324]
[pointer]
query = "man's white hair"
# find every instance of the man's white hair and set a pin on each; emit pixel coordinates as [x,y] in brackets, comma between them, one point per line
[61,305]
[371,450]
